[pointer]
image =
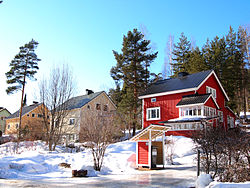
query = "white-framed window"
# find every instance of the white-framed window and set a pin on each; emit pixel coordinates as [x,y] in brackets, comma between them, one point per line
[71,121]
[230,122]
[33,115]
[190,111]
[153,99]
[9,126]
[220,114]
[211,90]
[153,113]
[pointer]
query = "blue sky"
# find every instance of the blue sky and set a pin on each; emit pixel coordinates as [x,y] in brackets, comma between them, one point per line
[83,33]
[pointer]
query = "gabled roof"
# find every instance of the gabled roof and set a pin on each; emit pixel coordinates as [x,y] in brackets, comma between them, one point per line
[2,109]
[25,110]
[190,82]
[196,99]
[193,99]
[80,101]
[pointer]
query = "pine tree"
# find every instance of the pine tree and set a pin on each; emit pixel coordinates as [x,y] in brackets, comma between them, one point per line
[196,61]
[243,42]
[132,68]
[181,54]
[23,66]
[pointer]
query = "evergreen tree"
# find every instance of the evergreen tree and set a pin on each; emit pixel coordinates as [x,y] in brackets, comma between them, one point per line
[132,68]
[23,66]
[196,61]
[181,54]
[243,42]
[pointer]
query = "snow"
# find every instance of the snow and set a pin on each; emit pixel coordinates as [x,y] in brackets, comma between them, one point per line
[215,184]
[34,162]
[203,180]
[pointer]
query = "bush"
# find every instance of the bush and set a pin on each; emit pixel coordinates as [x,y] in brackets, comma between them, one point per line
[224,154]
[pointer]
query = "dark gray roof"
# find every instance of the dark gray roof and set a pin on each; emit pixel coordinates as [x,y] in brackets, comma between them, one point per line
[26,109]
[80,101]
[193,99]
[173,84]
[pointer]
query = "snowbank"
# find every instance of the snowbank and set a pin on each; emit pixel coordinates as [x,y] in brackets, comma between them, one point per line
[34,161]
[203,180]
[228,185]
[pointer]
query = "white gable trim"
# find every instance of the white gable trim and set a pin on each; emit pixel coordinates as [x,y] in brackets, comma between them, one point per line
[167,93]
[199,104]
[217,81]
[189,105]
[213,100]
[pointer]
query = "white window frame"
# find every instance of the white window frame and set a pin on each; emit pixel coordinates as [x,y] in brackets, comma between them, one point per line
[220,114]
[149,113]
[211,90]
[153,99]
[185,111]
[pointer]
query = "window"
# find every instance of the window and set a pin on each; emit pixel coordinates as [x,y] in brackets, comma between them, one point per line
[199,111]
[211,90]
[153,113]
[28,115]
[33,115]
[39,115]
[230,122]
[153,99]
[191,111]
[9,126]
[71,121]
[98,106]
[105,108]
[220,114]
[16,125]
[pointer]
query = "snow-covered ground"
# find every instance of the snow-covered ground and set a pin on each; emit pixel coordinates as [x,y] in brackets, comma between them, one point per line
[35,163]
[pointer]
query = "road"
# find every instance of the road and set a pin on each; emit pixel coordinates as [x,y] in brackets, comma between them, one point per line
[177,176]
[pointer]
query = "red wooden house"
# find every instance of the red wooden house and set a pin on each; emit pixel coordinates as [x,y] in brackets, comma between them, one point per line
[183,104]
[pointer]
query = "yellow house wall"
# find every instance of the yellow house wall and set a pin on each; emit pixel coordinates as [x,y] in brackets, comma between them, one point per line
[35,124]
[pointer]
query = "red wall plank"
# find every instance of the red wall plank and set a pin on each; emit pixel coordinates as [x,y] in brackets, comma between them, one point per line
[142,153]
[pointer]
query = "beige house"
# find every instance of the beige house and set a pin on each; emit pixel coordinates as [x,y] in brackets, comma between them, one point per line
[79,107]
[4,113]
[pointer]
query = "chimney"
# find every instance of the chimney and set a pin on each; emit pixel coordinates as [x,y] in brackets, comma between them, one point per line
[182,74]
[88,91]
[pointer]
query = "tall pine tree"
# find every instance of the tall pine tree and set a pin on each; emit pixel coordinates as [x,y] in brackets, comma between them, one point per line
[23,66]
[181,54]
[132,69]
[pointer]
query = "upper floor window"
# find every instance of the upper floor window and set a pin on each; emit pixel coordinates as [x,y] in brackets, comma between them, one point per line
[211,90]
[71,121]
[153,113]
[105,108]
[98,106]
[8,126]
[39,115]
[33,115]
[191,111]
[16,125]
[153,99]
